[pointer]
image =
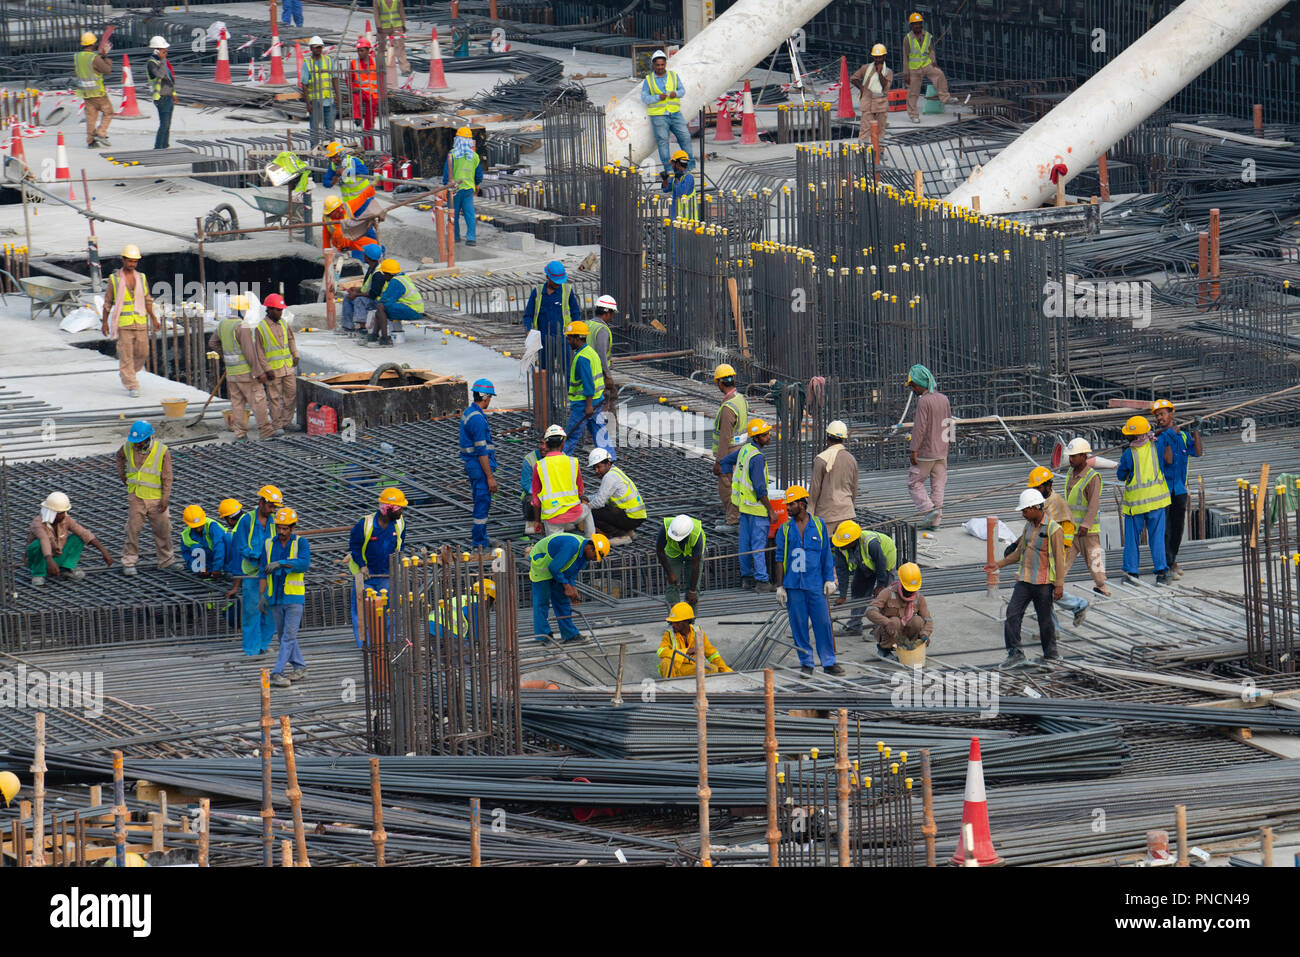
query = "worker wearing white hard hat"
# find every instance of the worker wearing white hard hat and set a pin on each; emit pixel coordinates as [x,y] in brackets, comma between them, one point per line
[1083,488]
[162,89]
[92,68]
[833,492]
[1040,550]
[556,487]
[661,92]
[55,541]
[873,81]
[316,81]
[617,506]
[680,549]
[600,338]
[128,310]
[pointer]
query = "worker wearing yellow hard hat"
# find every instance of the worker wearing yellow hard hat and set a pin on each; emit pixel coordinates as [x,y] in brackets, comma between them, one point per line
[553,567]
[249,539]
[873,81]
[1057,510]
[728,433]
[282,590]
[92,67]
[55,542]
[918,48]
[128,310]
[372,542]
[352,177]
[900,614]
[1145,501]
[586,392]
[1083,486]
[351,222]
[677,648]
[745,467]
[1173,448]
[467,615]
[684,201]
[9,786]
[203,543]
[864,563]
[463,172]
[805,568]
[236,339]
[399,301]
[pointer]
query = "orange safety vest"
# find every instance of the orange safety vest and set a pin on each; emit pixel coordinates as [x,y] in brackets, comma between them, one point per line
[365,79]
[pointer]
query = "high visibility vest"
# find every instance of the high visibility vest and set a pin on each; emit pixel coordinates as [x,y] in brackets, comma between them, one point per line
[1146,489]
[354,184]
[189,541]
[277,356]
[89,83]
[410,297]
[564,305]
[145,480]
[679,655]
[660,107]
[293,581]
[687,546]
[365,79]
[367,284]
[320,78]
[390,15]
[1031,556]
[368,530]
[743,494]
[688,205]
[463,169]
[594,327]
[540,558]
[155,82]
[632,503]
[918,51]
[231,352]
[817,524]
[130,314]
[597,375]
[739,406]
[559,478]
[250,567]
[1078,504]
[863,556]
[455,615]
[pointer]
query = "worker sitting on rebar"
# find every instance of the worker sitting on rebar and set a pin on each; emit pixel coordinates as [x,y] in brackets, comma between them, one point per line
[532,511]
[681,185]
[353,177]
[900,611]
[677,647]
[460,616]
[864,561]
[554,564]
[282,588]
[55,542]
[399,302]
[204,543]
[617,507]
[360,300]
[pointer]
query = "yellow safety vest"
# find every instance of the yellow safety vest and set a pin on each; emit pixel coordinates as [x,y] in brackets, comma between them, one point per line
[540,291]
[687,547]
[559,478]
[739,406]
[671,105]
[277,356]
[918,52]
[369,529]
[1078,503]
[540,558]
[743,494]
[248,566]
[293,581]
[126,296]
[597,376]
[390,15]
[632,503]
[145,481]
[232,354]
[89,83]
[1146,489]
[320,79]
[863,557]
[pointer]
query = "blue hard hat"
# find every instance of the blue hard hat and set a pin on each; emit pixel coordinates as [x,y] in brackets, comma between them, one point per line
[140,430]
[555,271]
[373,251]
[484,387]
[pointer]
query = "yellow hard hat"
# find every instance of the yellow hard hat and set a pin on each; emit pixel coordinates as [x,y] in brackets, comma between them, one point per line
[576,328]
[1137,425]
[602,545]
[286,516]
[909,576]
[486,586]
[1162,404]
[878,50]
[390,267]
[682,611]
[846,533]
[465,131]
[332,203]
[271,494]
[757,427]
[88,38]
[795,493]
[392,496]
[239,303]
[915,18]
[332,150]
[228,507]
[9,786]
[130,251]
[1038,476]
[194,516]
[678,155]
[724,371]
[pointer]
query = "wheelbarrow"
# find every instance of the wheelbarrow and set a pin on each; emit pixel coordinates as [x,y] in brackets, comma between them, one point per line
[274,209]
[48,294]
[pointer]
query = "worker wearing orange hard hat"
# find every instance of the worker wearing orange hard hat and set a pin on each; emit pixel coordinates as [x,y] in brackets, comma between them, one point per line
[805,566]
[464,172]
[1146,496]
[253,530]
[1173,447]
[282,589]
[373,539]
[280,355]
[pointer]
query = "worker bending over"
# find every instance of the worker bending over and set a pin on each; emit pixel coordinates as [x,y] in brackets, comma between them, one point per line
[145,467]
[728,435]
[557,488]
[750,477]
[932,432]
[919,45]
[128,310]
[807,573]
[351,175]
[873,82]
[372,540]
[460,616]
[1083,497]
[553,567]
[680,550]
[55,541]
[1041,553]
[479,455]
[1173,446]
[863,562]
[246,371]
[900,611]
[464,170]
[586,392]
[252,532]
[399,302]
[283,590]
[1041,479]
[1146,496]
[204,543]
[677,647]
[280,356]
[617,506]
[348,230]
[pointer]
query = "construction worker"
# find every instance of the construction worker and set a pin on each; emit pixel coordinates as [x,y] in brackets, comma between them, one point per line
[248,540]
[145,467]
[162,87]
[677,647]
[833,492]
[92,66]
[228,511]
[532,512]
[203,543]
[280,356]
[364,77]
[291,11]
[586,392]
[681,186]
[807,572]
[863,562]
[601,338]
[316,81]
[480,457]
[55,542]
[557,489]
[356,188]
[932,432]
[282,589]
[553,567]
[551,306]
[680,550]
[616,507]
[373,539]
[661,92]
[746,467]
[392,20]
[918,45]
[399,302]
[1083,498]
[464,170]
[460,616]
[1173,446]
[360,300]
[873,82]
[1041,478]
[1146,496]
[128,309]
[246,371]
[1040,550]
[900,611]
[728,435]
[348,231]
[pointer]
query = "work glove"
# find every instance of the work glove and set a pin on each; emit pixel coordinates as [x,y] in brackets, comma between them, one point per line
[830,588]
[262,605]
[780,594]
[274,567]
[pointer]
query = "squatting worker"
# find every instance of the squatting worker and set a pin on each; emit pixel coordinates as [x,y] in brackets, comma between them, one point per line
[361,299]
[283,590]
[128,308]
[807,573]
[479,455]
[932,431]
[617,506]
[400,302]
[1040,550]
[372,540]
[553,567]
[864,562]
[728,434]
[873,82]
[145,467]
[677,647]
[91,67]
[251,533]
[680,550]
[246,371]
[1173,447]
[280,355]
[55,541]
[900,611]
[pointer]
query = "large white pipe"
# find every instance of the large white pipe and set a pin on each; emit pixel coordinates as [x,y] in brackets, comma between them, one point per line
[709,64]
[1098,114]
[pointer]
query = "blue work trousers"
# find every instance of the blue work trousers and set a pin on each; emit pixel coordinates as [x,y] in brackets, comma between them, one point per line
[1071,603]
[463,205]
[808,610]
[1154,522]
[595,425]
[753,546]
[288,618]
[482,503]
[550,594]
[378,583]
[165,105]
[355,311]
[673,124]
[259,626]
[292,10]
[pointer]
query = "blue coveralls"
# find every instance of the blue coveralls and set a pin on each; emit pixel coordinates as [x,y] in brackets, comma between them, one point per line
[549,319]
[562,549]
[753,528]
[286,609]
[234,566]
[578,412]
[208,553]
[292,10]
[476,440]
[809,565]
[258,626]
[383,542]
[462,204]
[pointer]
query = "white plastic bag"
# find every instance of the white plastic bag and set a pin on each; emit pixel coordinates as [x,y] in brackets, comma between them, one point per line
[532,348]
[979,527]
[83,318]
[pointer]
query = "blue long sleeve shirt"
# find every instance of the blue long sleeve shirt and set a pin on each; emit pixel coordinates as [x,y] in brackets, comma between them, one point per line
[1183,446]
[526,473]
[383,542]
[351,165]
[393,291]
[809,562]
[280,553]
[250,550]
[476,437]
[757,471]
[212,541]
[548,320]
[679,185]
[561,548]
[670,82]
[233,561]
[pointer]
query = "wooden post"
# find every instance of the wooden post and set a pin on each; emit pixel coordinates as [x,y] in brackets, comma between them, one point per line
[875,149]
[119,810]
[330,317]
[1214,254]
[1103,177]
[292,792]
[991,575]
[1202,268]
[377,835]
[928,828]
[155,831]
[268,841]
[1060,190]
[475,833]
[918,184]
[205,826]
[769,745]
[1266,846]
[1258,112]
[842,786]
[975,204]
[1180,822]
[286,853]
[702,734]
[38,794]
[449,227]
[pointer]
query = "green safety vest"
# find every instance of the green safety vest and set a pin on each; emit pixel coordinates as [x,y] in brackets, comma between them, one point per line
[886,545]
[688,206]
[462,171]
[89,83]
[1030,555]
[1074,498]
[320,81]
[250,567]
[410,297]
[597,375]
[368,530]
[558,475]
[351,184]
[277,356]
[632,503]
[670,105]
[681,549]
[739,405]
[290,163]
[458,612]
[918,52]
[541,557]
[594,326]
[390,15]
[1146,489]
[293,581]
[231,353]
[564,305]
[189,541]
[145,480]
[743,494]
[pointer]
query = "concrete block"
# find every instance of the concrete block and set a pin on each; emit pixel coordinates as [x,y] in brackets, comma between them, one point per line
[523,242]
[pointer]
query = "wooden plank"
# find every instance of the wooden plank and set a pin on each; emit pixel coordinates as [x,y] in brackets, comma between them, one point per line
[1259,504]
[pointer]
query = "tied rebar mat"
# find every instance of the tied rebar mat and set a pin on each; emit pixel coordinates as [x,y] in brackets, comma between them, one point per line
[1270,568]
[442,657]
[574,135]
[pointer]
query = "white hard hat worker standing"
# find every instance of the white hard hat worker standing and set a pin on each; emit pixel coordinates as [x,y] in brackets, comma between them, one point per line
[1040,551]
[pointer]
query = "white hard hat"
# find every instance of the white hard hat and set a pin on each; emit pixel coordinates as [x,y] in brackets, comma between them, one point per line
[658,55]
[158,43]
[56,502]
[680,527]
[607,302]
[315,42]
[1030,498]
[837,430]
[596,457]
[555,431]
[1078,446]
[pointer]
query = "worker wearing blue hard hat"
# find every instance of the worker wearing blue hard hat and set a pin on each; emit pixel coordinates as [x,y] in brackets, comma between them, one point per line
[551,307]
[145,467]
[360,300]
[480,456]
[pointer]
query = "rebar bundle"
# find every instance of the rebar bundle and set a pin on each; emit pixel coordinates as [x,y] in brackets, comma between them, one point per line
[1270,569]
[573,131]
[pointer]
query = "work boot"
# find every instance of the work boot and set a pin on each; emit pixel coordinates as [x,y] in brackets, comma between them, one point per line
[835,669]
[130,570]
[280,681]
[1131,579]
[762,587]
[1080,615]
[887,654]
[1101,590]
[385,340]
[297,674]
[38,581]
[805,671]
[915,119]
[1162,578]
[1051,661]
[278,434]
[1014,659]
[747,583]
[471,242]
[76,574]
[135,393]
[102,141]
[372,338]
[1176,570]
[848,629]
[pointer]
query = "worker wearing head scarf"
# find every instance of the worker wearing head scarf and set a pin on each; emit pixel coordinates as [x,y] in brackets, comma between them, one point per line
[932,432]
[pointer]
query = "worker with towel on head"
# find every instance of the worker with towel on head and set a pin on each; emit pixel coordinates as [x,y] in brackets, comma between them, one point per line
[55,541]
[464,170]
[932,432]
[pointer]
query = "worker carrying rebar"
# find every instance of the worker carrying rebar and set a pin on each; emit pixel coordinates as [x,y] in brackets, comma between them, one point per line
[806,570]
[351,175]
[464,170]
[685,202]
[364,79]
[586,392]
[551,306]
[144,465]
[1146,497]
[557,488]
[246,371]
[932,432]
[680,550]
[919,45]
[616,506]
[728,435]
[864,562]
[746,467]
[1042,479]
[92,67]
[532,511]
[361,299]
[373,539]
[873,82]
[677,647]
[128,310]
[1083,497]
[282,589]
[1040,550]
[399,302]
[162,88]
[553,567]
[204,543]
[392,20]
[899,611]
[316,81]
[479,455]
[833,491]
[280,357]
[55,541]
[1173,447]
[348,231]
[661,92]
[251,533]
[459,617]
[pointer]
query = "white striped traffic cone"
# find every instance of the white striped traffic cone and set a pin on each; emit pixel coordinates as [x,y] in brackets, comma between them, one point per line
[223,60]
[277,58]
[722,129]
[748,122]
[130,105]
[61,170]
[437,78]
[975,813]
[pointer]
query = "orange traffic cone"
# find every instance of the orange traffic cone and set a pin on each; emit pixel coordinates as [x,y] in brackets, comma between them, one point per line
[130,106]
[277,58]
[61,170]
[845,109]
[369,34]
[975,814]
[748,122]
[223,60]
[297,61]
[16,142]
[723,133]
[437,79]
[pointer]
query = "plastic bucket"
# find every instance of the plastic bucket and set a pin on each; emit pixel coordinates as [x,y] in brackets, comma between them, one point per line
[777,500]
[174,408]
[913,658]
[277,175]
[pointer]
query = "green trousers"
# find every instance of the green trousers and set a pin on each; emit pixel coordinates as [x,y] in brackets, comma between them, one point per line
[67,560]
[681,567]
